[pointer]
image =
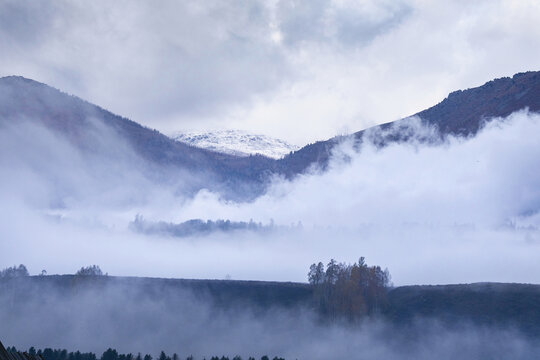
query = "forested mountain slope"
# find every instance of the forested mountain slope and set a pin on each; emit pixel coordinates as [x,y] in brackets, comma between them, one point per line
[461,113]
[25,100]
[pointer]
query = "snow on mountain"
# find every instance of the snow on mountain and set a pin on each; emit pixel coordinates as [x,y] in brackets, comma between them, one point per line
[237,142]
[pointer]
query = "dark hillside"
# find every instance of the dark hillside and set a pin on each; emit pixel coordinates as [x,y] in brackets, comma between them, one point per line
[488,304]
[145,314]
[23,99]
[221,293]
[462,113]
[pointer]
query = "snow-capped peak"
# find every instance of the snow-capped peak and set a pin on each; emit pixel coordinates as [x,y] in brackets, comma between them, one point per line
[237,142]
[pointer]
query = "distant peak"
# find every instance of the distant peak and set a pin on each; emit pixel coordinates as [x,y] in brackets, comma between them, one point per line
[237,142]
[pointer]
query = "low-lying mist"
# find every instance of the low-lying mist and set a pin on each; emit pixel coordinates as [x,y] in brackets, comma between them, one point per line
[133,317]
[458,210]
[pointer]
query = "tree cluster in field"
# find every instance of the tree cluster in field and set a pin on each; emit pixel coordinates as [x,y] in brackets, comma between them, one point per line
[14,271]
[92,270]
[21,270]
[345,291]
[198,227]
[112,354]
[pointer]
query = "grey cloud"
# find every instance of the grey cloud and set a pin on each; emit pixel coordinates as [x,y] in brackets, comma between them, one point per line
[20,25]
[180,57]
[327,22]
[179,61]
[300,20]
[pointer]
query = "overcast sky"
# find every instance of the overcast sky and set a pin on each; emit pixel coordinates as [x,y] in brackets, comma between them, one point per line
[298,70]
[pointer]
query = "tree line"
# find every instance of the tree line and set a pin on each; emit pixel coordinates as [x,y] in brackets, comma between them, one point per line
[351,292]
[340,290]
[14,271]
[21,271]
[112,354]
[199,227]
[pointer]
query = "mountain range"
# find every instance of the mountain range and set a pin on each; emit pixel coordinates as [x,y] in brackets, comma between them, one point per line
[462,113]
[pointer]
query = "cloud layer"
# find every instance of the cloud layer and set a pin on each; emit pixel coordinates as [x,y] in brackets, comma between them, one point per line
[463,210]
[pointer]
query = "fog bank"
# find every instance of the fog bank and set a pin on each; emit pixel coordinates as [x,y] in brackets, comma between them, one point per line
[87,315]
[463,210]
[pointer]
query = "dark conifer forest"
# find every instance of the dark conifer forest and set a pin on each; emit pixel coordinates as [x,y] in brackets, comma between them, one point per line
[112,354]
